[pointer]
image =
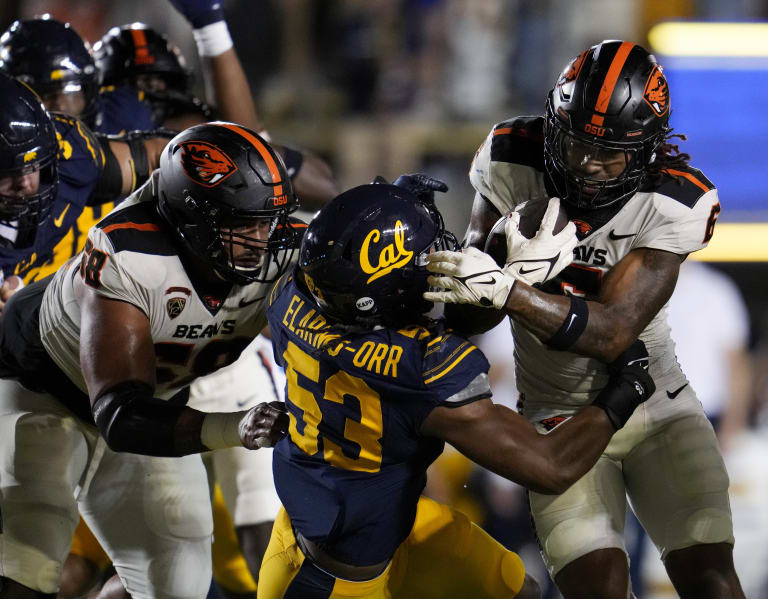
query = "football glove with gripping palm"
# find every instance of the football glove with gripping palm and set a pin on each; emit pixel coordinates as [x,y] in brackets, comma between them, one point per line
[473,277]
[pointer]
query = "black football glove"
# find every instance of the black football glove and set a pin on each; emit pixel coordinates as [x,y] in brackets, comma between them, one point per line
[422,186]
[629,385]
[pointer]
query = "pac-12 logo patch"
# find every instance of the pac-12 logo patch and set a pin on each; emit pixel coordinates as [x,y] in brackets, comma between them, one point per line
[656,92]
[205,163]
[175,305]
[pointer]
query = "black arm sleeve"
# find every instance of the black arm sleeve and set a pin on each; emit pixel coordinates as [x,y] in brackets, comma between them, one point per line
[110,182]
[133,421]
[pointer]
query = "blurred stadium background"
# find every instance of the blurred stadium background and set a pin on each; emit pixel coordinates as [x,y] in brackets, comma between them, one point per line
[385,87]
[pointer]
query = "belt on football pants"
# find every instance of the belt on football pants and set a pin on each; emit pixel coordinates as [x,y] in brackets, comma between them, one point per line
[333,566]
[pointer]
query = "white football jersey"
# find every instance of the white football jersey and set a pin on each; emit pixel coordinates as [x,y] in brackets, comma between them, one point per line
[677,216]
[130,256]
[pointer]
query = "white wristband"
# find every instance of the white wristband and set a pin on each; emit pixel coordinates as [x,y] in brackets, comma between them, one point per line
[221,430]
[213,39]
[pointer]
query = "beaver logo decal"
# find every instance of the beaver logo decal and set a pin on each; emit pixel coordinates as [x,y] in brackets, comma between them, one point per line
[656,92]
[205,163]
[572,70]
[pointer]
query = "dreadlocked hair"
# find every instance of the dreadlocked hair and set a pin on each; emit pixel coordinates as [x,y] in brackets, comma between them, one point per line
[668,156]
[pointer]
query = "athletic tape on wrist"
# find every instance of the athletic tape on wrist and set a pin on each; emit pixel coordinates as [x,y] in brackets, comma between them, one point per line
[221,430]
[573,326]
[213,39]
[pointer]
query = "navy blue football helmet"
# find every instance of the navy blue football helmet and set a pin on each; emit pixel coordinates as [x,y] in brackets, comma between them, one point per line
[52,59]
[27,145]
[612,99]
[218,177]
[363,256]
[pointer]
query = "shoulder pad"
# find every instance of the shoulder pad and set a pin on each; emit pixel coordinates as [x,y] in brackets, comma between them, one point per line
[519,141]
[76,140]
[685,185]
[279,285]
[443,353]
[138,228]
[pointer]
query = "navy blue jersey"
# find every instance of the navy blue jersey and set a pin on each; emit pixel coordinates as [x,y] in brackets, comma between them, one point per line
[58,238]
[123,109]
[354,464]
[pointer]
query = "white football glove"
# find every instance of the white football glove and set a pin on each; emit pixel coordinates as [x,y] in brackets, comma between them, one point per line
[545,255]
[470,277]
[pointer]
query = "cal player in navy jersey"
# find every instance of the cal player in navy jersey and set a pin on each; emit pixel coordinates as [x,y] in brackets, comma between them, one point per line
[604,148]
[374,390]
[169,287]
[54,168]
[52,58]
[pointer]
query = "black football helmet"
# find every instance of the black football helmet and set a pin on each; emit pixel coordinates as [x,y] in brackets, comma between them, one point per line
[612,99]
[127,52]
[363,256]
[27,144]
[217,177]
[52,59]
[140,57]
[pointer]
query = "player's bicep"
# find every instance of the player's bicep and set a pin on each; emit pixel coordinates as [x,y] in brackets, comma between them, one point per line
[636,288]
[115,342]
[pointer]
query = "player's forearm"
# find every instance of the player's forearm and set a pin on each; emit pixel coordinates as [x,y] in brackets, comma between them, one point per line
[607,332]
[227,89]
[573,447]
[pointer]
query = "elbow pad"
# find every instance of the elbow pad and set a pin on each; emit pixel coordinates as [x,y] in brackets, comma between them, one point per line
[110,182]
[133,421]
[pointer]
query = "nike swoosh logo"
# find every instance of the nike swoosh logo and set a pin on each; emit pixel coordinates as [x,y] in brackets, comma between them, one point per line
[523,271]
[490,281]
[615,237]
[676,392]
[60,219]
[243,302]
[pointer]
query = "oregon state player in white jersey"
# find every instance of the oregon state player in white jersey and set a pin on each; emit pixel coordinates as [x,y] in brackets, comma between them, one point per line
[604,149]
[96,360]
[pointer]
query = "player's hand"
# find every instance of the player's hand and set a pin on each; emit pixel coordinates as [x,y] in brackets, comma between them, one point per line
[545,255]
[200,13]
[264,425]
[629,385]
[10,286]
[421,185]
[468,277]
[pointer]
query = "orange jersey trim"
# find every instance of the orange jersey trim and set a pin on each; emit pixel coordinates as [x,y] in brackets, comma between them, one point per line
[611,77]
[689,176]
[138,226]
[263,151]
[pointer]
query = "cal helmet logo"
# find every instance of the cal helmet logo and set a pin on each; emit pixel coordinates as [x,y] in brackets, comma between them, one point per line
[175,305]
[656,92]
[205,163]
[391,256]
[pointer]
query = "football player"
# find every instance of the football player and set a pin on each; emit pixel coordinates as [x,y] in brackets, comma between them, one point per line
[138,56]
[58,64]
[604,147]
[51,169]
[169,287]
[374,390]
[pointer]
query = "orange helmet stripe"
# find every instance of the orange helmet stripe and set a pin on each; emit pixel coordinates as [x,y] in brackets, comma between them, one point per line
[609,83]
[141,55]
[263,151]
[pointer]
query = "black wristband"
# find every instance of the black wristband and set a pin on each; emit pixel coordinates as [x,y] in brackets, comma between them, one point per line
[573,326]
[625,391]
[293,160]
